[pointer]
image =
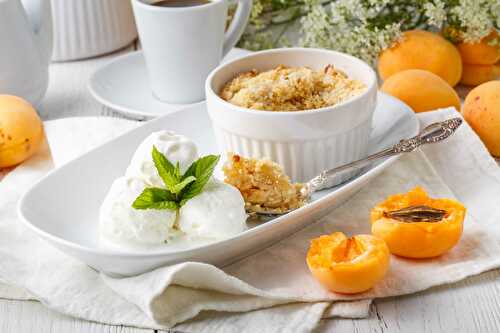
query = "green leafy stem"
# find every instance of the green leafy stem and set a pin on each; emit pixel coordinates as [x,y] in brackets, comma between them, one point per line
[179,188]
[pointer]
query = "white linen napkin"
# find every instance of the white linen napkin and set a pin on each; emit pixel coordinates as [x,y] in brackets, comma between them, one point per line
[460,168]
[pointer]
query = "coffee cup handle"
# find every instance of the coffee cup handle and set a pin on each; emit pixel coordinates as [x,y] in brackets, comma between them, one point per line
[238,25]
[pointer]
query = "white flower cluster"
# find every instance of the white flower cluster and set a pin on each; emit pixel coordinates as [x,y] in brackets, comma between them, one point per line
[347,27]
[466,20]
[475,18]
[435,12]
[366,27]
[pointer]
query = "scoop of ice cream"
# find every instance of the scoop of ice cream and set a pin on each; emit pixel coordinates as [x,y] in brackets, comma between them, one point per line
[217,212]
[177,148]
[121,223]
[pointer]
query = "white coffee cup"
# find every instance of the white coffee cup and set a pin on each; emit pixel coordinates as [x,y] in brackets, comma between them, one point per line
[182,45]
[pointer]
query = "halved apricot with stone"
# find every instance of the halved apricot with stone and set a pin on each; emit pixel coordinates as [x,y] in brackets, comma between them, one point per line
[348,265]
[416,226]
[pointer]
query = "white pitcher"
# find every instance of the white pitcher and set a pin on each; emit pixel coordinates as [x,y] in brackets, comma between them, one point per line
[25,48]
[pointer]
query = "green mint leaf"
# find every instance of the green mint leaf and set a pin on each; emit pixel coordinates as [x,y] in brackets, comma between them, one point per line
[197,167]
[155,198]
[180,186]
[170,205]
[190,171]
[166,170]
[177,171]
[202,169]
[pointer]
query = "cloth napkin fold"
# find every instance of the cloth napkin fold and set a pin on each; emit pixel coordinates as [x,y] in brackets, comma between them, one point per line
[273,283]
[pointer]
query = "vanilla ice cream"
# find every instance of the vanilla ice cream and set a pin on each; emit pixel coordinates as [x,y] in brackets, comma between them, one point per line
[177,148]
[217,212]
[120,223]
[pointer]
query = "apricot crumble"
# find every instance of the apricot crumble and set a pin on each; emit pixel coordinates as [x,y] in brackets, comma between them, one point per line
[291,89]
[263,185]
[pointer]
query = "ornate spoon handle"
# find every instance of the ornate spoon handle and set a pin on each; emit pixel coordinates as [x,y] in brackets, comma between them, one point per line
[431,134]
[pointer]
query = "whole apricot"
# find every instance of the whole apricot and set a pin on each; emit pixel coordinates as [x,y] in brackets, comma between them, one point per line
[482,111]
[480,53]
[473,75]
[421,90]
[21,130]
[425,50]
[416,226]
[348,265]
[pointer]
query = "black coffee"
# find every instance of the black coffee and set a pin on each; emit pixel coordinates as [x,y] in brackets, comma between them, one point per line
[180,3]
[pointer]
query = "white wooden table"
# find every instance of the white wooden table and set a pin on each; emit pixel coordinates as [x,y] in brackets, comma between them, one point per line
[472,305]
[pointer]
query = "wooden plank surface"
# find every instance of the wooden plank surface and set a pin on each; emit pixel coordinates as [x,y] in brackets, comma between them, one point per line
[472,305]
[29,316]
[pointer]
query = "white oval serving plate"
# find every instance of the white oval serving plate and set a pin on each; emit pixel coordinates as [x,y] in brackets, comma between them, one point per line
[63,207]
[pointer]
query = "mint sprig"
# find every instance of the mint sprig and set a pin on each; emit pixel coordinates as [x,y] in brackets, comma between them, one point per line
[179,188]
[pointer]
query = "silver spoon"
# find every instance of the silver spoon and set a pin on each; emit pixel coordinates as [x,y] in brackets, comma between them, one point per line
[433,133]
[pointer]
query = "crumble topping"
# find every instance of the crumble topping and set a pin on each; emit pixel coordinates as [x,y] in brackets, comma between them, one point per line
[291,89]
[263,185]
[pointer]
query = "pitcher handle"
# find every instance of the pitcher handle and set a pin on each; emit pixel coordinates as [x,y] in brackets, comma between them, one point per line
[238,25]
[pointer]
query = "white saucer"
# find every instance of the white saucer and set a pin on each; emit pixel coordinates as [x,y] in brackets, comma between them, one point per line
[123,85]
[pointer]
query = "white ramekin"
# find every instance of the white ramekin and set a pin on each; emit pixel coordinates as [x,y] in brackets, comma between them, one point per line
[304,143]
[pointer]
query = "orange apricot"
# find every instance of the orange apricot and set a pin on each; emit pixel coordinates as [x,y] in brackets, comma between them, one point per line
[348,265]
[473,75]
[421,90]
[430,227]
[21,130]
[425,50]
[481,53]
[481,110]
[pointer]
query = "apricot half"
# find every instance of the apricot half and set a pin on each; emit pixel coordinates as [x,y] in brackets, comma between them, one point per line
[421,90]
[482,111]
[425,50]
[21,130]
[430,227]
[348,265]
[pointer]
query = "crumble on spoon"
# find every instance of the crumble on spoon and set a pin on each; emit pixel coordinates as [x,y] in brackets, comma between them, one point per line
[263,185]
